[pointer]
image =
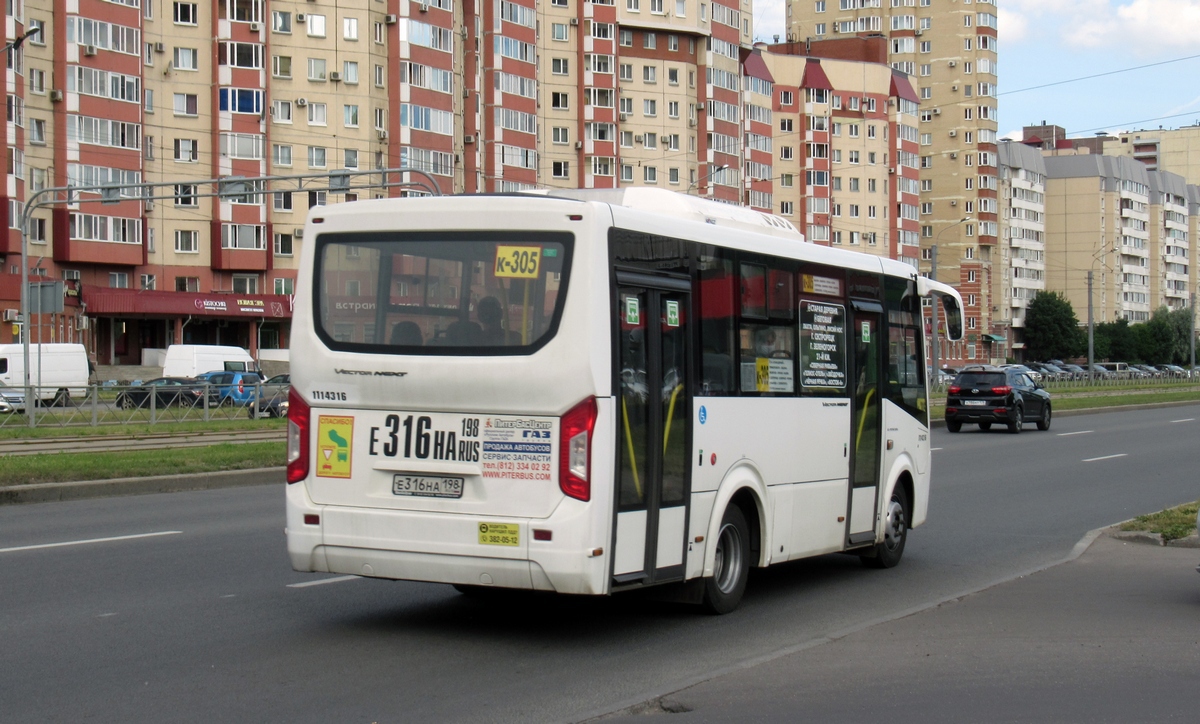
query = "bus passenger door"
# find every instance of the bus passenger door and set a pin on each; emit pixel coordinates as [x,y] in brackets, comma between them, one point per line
[653,428]
[866,420]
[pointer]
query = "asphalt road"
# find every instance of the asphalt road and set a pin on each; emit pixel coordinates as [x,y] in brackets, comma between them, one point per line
[206,624]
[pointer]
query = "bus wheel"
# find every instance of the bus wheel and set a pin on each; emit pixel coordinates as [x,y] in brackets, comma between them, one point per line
[731,567]
[895,532]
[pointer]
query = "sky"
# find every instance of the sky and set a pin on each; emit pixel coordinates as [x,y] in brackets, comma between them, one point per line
[1045,41]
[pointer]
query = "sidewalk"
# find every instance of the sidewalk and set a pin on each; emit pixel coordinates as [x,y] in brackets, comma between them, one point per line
[1111,636]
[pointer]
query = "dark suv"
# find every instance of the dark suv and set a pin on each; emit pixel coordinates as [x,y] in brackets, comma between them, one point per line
[983,395]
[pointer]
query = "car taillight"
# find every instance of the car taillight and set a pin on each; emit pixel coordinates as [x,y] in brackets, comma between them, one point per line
[954,389]
[297,438]
[241,387]
[575,445]
[1001,390]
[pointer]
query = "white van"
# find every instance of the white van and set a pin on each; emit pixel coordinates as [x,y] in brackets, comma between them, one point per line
[189,360]
[58,371]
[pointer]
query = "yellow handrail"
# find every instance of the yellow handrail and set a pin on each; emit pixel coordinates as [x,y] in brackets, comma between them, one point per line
[629,443]
[862,419]
[670,414]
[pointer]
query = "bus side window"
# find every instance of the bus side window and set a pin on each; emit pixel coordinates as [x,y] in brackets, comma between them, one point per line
[905,365]
[768,350]
[715,304]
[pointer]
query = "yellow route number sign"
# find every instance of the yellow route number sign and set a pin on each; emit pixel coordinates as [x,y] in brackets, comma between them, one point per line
[499,534]
[518,262]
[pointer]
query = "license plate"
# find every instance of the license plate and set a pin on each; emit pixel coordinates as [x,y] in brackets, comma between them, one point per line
[975,403]
[427,486]
[499,534]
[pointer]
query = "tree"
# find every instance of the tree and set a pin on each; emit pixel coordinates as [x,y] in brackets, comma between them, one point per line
[1120,341]
[1051,328]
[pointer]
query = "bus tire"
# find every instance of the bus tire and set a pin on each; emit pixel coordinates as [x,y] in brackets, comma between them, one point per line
[731,565]
[887,554]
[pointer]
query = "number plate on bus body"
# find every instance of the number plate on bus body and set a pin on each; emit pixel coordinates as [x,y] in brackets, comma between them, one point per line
[427,486]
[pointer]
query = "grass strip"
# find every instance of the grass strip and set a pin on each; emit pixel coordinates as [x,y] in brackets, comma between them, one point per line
[20,432]
[1171,524]
[64,467]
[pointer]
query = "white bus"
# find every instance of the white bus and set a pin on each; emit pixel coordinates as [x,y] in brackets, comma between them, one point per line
[598,391]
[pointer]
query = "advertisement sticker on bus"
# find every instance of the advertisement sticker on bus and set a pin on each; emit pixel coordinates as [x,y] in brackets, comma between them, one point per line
[334,435]
[499,534]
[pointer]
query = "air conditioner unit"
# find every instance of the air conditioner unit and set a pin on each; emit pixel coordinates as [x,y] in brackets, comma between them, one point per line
[954,155]
[953,134]
[468,139]
[954,88]
[255,27]
[574,21]
[891,170]
[89,50]
[919,33]
[953,202]
[335,76]
[639,139]
[699,106]
[390,19]
[578,145]
[383,135]
[160,47]
[692,122]
[300,17]
[301,102]
[953,63]
[424,7]
[937,111]
[624,116]
[149,206]
[12,315]
[298,232]
[81,323]
[56,95]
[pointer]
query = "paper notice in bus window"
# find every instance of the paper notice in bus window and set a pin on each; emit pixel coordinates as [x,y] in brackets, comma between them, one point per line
[773,375]
[813,284]
[518,262]
[333,446]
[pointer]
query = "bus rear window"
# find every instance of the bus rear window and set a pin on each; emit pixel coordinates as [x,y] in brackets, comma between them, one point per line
[440,293]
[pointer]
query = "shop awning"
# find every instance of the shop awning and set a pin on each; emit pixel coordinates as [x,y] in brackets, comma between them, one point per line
[104,302]
[995,338]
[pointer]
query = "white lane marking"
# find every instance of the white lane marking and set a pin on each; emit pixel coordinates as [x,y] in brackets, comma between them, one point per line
[323,581]
[1080,432]
[1186,419]
[1105,457]
[90,540]
[934,449]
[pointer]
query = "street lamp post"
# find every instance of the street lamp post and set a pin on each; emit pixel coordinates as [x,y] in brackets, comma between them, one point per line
[933,275]
[9,48]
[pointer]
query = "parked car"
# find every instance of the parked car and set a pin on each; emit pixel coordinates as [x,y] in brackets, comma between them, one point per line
[232,388]
[984,395]
[1054,372]
[1022,368]
[166,391]
[1173,371]
[1148,370]
[274,399]
[1075,371]
[1101,373]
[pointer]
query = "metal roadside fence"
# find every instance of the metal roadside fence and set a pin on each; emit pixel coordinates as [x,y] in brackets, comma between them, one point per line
[153,404]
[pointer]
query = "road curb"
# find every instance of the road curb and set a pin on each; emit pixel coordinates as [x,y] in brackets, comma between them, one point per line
[79,490]
[1102,410]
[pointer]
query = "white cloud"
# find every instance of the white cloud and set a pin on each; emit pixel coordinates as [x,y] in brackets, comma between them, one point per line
[1145,27]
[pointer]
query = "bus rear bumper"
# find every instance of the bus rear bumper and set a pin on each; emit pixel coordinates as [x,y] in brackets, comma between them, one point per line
[445,548]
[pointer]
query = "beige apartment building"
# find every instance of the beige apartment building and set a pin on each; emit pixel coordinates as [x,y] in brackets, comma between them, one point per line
[950,48]
[1098,221]
[1175,150]
[1021,272]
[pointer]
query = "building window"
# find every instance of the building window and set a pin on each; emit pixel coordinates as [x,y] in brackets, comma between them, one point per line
[316,69]
[186,59]
[561,169]
[186,150]
[285,286]
[283,245]
[184,13]
[317,114]
[149,282]
[281,22]
[560,66]
[650,174]
[187,284]
[560,101]
[245,284]
[558,31]
[186,104]
[562,134]
[316,25]
[118,280]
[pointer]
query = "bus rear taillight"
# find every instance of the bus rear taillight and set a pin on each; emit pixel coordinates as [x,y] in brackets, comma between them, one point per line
[575,450]
[297,437]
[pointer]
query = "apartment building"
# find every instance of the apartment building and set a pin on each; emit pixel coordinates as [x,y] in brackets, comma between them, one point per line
[1170,250]
[1021,272]
[1098,221]
[951,49]
[1176,150]
[193,98]
[846,142]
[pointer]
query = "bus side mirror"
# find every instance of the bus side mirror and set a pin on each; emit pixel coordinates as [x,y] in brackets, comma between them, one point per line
[954,321]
